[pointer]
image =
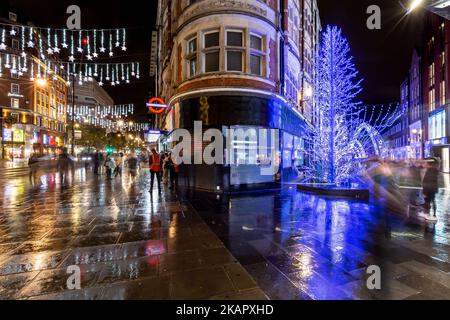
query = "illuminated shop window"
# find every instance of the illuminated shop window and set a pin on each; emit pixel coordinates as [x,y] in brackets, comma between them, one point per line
[437,125]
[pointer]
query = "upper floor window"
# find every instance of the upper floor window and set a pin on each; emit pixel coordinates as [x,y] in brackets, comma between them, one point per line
[211,49]
[443,97]
[15,88]
[431,74]
[15,103]
[432,100]
[15,44]
[256,54]
[235,51]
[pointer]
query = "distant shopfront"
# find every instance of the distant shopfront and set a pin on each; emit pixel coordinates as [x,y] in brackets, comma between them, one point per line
[14,143]
[47,143]
[438,144]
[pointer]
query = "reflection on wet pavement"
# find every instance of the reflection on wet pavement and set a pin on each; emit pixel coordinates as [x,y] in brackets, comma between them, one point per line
[128,243]
[299,246]
[132,244]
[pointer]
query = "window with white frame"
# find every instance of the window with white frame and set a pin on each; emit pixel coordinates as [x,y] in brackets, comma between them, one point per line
[432,100]
[191,57]
[211,51]
[256,54]
[15,103]
[234,51]
[15,88]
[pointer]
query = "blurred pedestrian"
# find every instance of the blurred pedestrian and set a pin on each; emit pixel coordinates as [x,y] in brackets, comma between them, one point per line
[110,165]
[174,171]
[119,164]
[98,159]
[33,164]
[132,164]
[431,188]
[155,168]
[166,168]
[65,163]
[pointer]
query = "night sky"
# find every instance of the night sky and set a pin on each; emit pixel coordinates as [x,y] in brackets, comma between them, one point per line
[382,56]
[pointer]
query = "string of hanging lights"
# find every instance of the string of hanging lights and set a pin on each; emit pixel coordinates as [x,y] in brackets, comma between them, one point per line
[53,41]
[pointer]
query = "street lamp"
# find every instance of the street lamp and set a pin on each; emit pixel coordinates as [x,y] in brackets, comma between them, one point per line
[414,5]
[41,82]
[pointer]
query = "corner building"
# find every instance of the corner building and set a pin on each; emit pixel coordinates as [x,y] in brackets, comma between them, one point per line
[239,64]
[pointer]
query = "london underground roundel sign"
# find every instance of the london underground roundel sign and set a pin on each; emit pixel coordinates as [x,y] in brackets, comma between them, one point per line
[156,105]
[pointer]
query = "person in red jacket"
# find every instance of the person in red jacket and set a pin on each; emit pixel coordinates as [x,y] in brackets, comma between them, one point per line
[155,168]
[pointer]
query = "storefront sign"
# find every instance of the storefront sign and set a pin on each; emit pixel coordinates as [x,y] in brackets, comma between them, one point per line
[15,95]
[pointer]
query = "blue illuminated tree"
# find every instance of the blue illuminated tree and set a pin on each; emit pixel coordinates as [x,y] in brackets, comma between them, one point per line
[344,132]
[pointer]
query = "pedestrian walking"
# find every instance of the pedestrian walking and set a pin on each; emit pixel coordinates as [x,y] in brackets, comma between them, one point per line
[155,169]
[65,163]
[110,165]
[98,159]
[119,164]
[33,164]
[174,171]
[166,168]
[430,189]
[132,164]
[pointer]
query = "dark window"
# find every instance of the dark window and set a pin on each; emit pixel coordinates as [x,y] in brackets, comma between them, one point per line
[212,40]
[234,61]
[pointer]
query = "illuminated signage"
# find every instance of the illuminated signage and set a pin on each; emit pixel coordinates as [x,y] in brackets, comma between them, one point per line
[15,95]
[156,105]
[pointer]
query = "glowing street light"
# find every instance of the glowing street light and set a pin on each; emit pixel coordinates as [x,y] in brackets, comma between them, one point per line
[41,82]
[414,5]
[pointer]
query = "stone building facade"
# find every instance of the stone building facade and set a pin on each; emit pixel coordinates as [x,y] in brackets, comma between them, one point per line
[239,64]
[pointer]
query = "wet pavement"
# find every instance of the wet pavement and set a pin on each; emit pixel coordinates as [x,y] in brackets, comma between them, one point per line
[299,246]
[133,244]
[129,243]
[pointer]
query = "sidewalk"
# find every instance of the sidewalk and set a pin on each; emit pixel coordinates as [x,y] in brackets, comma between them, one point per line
[128,243]
[17,163]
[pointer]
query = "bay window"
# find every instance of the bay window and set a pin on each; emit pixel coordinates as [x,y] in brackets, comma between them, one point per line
[230,50]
